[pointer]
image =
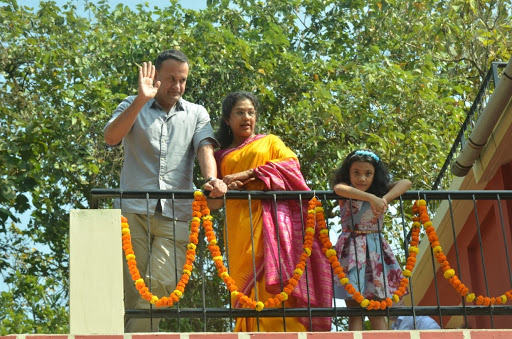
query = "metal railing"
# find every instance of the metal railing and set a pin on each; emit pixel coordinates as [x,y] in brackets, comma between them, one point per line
[442,308]
[445,177]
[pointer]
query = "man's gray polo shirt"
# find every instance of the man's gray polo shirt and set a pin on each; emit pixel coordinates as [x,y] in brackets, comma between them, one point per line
[159,153]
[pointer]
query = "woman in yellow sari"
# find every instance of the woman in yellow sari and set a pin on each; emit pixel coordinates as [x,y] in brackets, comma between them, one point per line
[263,162]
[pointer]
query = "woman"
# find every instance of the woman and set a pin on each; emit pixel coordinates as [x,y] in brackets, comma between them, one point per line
[263,162]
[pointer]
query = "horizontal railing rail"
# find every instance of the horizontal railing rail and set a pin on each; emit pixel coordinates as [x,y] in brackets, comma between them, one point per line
[433,198]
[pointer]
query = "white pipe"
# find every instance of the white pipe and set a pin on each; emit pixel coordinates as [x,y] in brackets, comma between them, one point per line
[485,124]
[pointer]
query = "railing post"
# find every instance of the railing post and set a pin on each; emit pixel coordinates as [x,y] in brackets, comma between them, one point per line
[96,272]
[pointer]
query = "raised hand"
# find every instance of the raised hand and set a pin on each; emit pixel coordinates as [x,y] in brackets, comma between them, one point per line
[147,85]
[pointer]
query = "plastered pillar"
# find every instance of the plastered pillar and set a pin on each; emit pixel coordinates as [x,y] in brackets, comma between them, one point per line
[96,272]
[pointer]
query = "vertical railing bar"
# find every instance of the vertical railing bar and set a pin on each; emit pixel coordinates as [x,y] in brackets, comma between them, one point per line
[457,254]
[435,280]
[437,288]
[495,75]
[482,256]
[406,246]
[203,282]
[332,275]
[504,238]
[150,250]
[249,201]
[278,239]
[173,204]
[306,267]
[382,260]
[226,248]
[353,236]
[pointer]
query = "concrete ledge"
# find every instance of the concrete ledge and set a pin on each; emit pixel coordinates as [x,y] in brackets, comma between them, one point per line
[419,334]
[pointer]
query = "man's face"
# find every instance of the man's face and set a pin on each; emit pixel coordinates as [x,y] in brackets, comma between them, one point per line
[173,77]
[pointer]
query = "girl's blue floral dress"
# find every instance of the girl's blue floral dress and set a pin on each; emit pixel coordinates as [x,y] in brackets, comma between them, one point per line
[375,259]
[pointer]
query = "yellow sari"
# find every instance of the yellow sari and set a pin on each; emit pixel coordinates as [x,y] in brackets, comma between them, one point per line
[277,168]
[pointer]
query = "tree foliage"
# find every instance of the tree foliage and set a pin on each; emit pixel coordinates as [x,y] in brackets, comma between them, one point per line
[393,76]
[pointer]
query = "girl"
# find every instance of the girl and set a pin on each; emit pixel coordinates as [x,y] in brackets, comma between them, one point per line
[373,270]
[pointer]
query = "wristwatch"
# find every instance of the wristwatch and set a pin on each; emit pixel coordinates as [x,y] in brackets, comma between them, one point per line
[209,179]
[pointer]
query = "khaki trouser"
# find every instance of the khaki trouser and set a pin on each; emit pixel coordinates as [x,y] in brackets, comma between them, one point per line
[163,266]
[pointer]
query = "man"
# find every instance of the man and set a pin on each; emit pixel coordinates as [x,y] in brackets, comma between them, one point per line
[162,134]
[422,323]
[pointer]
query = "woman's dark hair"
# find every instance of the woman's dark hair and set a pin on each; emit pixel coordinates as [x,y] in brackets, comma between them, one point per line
[173,54]
[224,134]
[381,179]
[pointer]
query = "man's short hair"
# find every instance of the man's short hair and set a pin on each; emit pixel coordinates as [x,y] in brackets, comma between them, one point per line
[170,54]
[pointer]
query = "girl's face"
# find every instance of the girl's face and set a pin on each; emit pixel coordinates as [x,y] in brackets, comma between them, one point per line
[361,175]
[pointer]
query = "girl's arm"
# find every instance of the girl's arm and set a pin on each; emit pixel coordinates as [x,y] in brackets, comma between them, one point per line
[348,191]
[378,205]
[396,189]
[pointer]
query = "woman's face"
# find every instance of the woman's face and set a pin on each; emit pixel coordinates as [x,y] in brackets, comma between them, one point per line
[242,119]
[361,175]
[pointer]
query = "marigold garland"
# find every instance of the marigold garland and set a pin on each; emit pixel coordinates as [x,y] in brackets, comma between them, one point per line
[134,271]
[230,283]
[200,211]
[449,273]
[315,218]
[338,269]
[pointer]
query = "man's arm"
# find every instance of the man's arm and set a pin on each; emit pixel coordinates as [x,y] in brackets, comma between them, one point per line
[119,128]
[208,166]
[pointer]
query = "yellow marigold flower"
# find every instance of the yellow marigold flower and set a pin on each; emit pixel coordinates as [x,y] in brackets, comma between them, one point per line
[208,217]
[395,298]
[138,281]
[259,306]
[308,251]
[324,231]
[187,272]
[178,293]
[365,303]
[219,257]
[298,271]
[224,274]
[422,203]
[130,257]
[414,249]
[330,253]
[427,224]
[213,242]
[311,211]
[154,299]
[344,281]
[503,299]
[406,273]
[310,230]
[198,194]
[234,294]
[191,246]
[437,249]
[196,219]
[124,225]
[285,295]
[470,297]
[449,273]
[125,231]
[416,224]
[319,209]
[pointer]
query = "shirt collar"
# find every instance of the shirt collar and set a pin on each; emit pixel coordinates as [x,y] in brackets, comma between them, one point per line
[179,106]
